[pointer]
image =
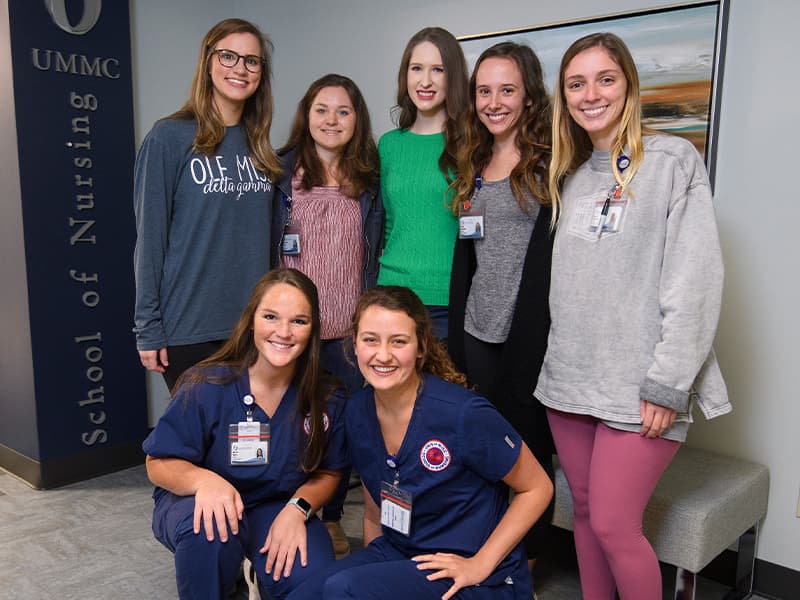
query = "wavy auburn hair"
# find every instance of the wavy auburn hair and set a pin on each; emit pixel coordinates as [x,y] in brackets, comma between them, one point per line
[435,358]
[530,174]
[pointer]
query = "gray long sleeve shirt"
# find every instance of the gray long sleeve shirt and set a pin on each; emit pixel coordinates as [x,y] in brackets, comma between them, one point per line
[203,231]
[635,308]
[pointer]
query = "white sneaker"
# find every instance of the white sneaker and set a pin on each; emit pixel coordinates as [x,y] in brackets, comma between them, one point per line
[251,579]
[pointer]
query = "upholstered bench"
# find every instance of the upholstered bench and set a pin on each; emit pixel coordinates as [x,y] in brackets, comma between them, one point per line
[704,503]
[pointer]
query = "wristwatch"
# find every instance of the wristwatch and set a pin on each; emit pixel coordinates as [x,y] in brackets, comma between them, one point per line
[302,505]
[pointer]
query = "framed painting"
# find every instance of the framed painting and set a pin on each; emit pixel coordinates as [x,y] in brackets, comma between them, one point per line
[679,52]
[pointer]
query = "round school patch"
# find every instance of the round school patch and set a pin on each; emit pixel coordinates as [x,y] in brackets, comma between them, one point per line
[326,423]
[434,456]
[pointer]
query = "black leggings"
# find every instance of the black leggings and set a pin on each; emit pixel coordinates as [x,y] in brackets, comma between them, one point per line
[483,362]
[182,357]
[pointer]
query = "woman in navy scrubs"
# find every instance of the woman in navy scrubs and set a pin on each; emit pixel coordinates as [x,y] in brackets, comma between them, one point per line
[249,449]
[433,458]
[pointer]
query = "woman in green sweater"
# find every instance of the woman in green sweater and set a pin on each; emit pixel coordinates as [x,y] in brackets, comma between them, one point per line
[417,164]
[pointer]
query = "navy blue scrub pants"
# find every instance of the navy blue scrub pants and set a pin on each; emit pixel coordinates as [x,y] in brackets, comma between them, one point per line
[206,569]
[379,572]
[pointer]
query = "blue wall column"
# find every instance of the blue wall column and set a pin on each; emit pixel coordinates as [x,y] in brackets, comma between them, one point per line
[72,397]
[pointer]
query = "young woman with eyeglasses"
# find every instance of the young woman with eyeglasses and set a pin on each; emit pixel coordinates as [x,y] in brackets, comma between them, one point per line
[202,189]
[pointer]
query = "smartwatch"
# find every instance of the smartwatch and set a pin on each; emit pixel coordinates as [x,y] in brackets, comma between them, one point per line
[302,505]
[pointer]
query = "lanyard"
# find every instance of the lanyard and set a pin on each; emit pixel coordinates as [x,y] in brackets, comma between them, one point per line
[478,184]
[615,192]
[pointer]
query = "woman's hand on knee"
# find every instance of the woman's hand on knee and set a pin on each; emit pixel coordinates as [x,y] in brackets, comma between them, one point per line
[463,571]
[287,536]
[217,501]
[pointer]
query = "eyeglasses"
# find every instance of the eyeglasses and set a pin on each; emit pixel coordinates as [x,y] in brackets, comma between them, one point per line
[229,59]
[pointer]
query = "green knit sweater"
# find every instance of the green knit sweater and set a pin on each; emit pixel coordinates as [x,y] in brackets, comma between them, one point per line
[420,228]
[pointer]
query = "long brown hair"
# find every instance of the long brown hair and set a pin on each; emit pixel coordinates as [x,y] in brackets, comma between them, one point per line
[239,353]
[530,174]
[571,144]
[434,358]
[358,164]
[257,115]
[456,74]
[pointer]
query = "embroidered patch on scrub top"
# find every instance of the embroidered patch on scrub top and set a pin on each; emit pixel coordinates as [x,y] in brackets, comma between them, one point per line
[395,508]
[248,443]
[326,423]
[434,456]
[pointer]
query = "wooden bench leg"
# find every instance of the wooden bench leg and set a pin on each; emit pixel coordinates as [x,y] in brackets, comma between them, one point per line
[684,584]
[745,565]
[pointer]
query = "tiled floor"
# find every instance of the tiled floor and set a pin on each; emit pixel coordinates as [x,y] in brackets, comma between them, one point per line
[92,541]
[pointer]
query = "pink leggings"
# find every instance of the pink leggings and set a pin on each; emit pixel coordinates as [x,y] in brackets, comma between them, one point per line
[612,475]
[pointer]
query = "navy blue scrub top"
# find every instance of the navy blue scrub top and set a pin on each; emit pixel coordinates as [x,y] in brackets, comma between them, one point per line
[456,450]
[195,427]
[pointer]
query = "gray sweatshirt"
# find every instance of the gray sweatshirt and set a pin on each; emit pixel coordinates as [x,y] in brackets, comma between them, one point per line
[635,307]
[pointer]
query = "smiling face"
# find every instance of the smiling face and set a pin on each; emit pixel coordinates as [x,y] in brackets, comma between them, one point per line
[234,85]
[281,326]
[387,350]
[499,96]
[427,80]
[331,120]
[595,90]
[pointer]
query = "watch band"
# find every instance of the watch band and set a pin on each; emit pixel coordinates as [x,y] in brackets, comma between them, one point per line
[302,505]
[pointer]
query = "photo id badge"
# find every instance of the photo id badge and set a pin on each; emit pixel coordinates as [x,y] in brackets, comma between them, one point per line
[395,508]
[248,443]
[609,220]
[291,240]
[470,222]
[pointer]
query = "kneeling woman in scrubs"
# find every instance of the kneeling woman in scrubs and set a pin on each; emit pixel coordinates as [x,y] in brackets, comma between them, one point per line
[433,458]
[249,449]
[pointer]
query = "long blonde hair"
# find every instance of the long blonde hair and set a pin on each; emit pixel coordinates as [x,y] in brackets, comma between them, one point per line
[571,144]
[257,115]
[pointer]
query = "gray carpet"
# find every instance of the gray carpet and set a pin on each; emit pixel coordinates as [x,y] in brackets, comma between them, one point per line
[92,541]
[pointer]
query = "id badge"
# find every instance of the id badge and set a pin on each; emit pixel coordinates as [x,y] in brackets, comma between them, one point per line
[470,222]
[611,222]
[248,443]
[291,241]
[395,508]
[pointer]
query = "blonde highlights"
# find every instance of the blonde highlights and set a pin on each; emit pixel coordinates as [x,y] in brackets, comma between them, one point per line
[571,144]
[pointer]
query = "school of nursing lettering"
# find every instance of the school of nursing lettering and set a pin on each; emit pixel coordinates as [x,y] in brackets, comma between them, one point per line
[82,232]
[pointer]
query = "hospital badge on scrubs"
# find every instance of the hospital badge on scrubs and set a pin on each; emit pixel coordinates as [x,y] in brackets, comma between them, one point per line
[434,456]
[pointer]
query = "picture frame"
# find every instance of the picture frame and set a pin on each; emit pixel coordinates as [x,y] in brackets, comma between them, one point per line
[679,50]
